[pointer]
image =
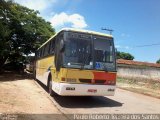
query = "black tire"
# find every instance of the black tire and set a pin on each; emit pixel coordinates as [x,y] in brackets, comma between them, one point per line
[34,75]
[50,91]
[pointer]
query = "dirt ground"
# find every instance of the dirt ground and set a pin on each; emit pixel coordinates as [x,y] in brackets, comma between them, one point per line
[143,86]
[20,95]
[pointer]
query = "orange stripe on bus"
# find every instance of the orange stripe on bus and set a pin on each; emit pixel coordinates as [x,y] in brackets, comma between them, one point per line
[104,76]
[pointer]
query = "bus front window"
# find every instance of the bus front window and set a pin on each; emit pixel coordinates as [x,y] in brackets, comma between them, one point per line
[94,52]
[77,53]
[104,54]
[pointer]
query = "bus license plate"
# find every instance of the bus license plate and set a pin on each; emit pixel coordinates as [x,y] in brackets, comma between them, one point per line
[92,90]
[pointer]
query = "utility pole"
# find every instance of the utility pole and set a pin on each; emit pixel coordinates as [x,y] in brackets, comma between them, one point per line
[107,29]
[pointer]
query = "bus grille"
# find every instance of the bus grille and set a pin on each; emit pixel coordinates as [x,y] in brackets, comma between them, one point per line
[93,82]
[85,80]
[100,81]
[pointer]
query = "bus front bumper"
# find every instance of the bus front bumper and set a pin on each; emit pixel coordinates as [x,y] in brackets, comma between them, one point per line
[66,89]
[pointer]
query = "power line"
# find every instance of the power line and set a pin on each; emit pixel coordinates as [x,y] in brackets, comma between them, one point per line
[156,44]
[107,29]
[138,46]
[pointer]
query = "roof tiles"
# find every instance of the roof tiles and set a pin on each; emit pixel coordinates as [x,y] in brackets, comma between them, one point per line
[131,62]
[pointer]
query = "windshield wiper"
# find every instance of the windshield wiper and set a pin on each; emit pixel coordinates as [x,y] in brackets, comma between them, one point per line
[76,63]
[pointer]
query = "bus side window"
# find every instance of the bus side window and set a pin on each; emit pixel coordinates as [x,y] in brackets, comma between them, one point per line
[49,47]
[39,53]
[46,49]
[42,51]
[52,48]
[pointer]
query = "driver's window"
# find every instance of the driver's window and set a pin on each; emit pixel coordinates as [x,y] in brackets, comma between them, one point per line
[100,55]
[72,51]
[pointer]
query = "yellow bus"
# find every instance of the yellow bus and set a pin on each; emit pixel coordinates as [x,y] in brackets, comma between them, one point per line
[77,62]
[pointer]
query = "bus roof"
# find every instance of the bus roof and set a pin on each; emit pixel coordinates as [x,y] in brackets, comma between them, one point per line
[77,30]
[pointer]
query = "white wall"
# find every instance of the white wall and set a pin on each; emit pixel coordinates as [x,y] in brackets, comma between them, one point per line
[138,71]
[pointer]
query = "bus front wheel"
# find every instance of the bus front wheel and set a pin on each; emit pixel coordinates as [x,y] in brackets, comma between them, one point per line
[34,75]
[50,88]
[51,92]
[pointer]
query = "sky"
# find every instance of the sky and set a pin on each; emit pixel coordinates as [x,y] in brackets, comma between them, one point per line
[136,23]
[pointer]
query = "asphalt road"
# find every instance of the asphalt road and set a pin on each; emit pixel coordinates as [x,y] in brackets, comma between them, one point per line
[122,102]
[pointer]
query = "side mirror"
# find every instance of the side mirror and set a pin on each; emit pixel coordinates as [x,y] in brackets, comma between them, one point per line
[58,54]
[61,46]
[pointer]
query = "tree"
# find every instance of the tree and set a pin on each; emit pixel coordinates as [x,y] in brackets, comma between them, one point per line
[158,61]
[123,55]
[22,31]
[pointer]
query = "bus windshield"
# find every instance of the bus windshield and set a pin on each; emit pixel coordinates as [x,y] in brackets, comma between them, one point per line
[78,53]
[86,53]
[104,54]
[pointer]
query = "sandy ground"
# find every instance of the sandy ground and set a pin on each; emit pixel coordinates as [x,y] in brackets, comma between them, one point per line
[140,89]
[150,87]
[20,95]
